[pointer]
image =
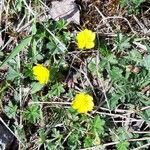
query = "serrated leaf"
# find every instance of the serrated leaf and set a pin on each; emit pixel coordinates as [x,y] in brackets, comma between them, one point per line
[116,73]
[12,74]
[112,59]
[98,125]
[88,142]
[56,90]
[114,100]
[123,145]
[11,110]
[146,62]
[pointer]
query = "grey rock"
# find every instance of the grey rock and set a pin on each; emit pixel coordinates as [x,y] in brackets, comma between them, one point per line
[6,138]
[65,9]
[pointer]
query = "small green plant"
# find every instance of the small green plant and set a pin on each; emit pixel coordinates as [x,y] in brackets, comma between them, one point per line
[32,114]
[132,5]
[11,110]
[124,145]
[67,87]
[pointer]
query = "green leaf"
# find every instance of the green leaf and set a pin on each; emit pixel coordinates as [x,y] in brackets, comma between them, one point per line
[35,87]
[17,49]
[74,140]
[114,100]
[116,73]
[19,5]
[61,24]
[98,125]
[56,90]
[32,114]
[93,67]
[123,145]
[88,142]
[103,49]
[122,42]
[135,56]
[146,62]
[34,29]
[124,134]
[112,59]
[12,74]
[145,115]
[11,110]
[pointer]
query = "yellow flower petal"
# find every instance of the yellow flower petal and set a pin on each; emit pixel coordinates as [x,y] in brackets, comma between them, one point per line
[83,103]
[41,73]
[85,39]
[90,45]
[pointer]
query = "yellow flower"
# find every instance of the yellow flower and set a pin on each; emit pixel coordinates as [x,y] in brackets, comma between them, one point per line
[41,73]
[83,103]
[85,39]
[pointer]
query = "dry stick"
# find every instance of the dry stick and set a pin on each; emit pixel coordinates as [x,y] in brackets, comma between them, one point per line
[28,7]
[11,131]
[21,22]
[26,25]
[145,108]
[20,93]
[85,74]
[116,116]
[147,11]
[68,103]
[127,123]
[147,126]
[118,110]
[67,136]
[140,25]
[7,12]
[103,18]
[124,110]
[57,103]
[104,91]
[123,121]
[141,46]
[140,132]
[45,5]
[101,113]
[100,83]
[56,39]
[119,17]
[114,143]
[139,148]
[8,42]
[71,65]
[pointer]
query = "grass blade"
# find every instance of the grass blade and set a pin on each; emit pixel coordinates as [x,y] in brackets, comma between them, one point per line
[17,49]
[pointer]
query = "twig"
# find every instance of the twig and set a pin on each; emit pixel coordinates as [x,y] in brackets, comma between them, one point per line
[141,147]
[119,17]
[114,143]
[30,10]
[140,132]
[145,108]
[56,39]
[103,18]
[116,115]
[57,103]
[20,93]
